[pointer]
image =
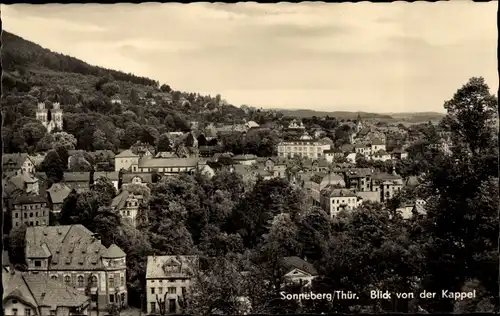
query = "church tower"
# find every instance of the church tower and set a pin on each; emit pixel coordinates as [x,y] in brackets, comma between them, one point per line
[359,123]
[42,114]
[57,116]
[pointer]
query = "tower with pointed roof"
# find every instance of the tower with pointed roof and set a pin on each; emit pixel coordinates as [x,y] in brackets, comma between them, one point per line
[52,121]
[359,123]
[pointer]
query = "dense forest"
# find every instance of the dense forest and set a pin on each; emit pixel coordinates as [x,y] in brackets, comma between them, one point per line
[103,109]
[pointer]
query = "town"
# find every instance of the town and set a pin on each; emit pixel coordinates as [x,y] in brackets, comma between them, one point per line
[124,196]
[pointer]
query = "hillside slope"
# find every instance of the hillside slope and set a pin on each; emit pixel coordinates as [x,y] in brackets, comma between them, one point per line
[89,98]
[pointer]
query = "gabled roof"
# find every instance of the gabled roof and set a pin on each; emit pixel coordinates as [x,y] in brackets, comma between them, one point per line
[114,252]
[291,263]
[333,191]
[377,142]
[58,192]
[76,177]
[112,175]
[126,154]
[244,157]
[144,176]
[155,266]
[120,200]
[71,247]
[386,176]
[40,291]
[28,199]
[14,161]
[167,162]
[381,153]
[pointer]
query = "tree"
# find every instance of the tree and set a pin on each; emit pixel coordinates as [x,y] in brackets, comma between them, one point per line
[17,243]
[53,166]
[202,141]
[165,88]
[110,88]
[79,162]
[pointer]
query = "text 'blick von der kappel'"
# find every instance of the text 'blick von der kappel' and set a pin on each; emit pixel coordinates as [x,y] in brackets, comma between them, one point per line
[446,294]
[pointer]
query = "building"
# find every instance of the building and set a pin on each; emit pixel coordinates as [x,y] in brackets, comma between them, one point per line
[381,155]
[294,126]
[359,179]
[31,210]
[50,119]
[17,164]
[125,159]
[334,200]
[319,181]
[127,204]
[302,148]
[245,159]
[166,166]
[332,154]
[399,154]
[376,145]
[141,178]
[112,176]
[78,181]
[35,294]
[26,182]
[72,255]
[168,279]
[56,195]
[298,271]
[387,184]
[251,124]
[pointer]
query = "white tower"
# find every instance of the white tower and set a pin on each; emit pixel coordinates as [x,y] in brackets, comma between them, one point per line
[57,116]
[56,119]
[41,114]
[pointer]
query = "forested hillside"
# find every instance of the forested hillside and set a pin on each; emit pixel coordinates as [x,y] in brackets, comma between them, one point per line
[89,98]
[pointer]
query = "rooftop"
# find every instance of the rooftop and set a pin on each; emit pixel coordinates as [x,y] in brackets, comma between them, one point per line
[182,266]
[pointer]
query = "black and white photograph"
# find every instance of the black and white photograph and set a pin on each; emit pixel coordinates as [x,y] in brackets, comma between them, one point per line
[248,158]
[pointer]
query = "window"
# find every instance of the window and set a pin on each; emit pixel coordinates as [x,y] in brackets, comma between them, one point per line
[172,290]
[31,214]
[93,297]
[94,281]
[152,290]
[36,214]
[112,298]
[111,282]
[54,277]
[14,311]
[67,280]
[160,290]
[122,280]
[38,263]
[153,307]
[80,281]
[17,215]
[31,223]
[52,312]
[36,223]
[27,312]
[183,290]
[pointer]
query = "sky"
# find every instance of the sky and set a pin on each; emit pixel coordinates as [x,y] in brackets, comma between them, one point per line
[370,57]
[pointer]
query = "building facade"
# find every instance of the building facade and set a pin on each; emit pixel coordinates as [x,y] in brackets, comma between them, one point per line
[72,255]
[50,119]
[31,210]
[302,148]
[168,279]
[334,200]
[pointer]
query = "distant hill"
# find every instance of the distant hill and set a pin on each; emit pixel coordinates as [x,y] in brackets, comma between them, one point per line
[385,117]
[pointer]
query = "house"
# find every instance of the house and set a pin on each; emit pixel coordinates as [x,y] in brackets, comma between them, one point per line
[376,145]
[332,154]
[142,149]
[167,166]
[142,178]
[125,159]
[78,181]
[251,124]
[294,126]
[35,294]
[73,256]
[104,159]
[351,157]
[298,271]
[209,151]
[387,185]
[31,210]
[6,265]
[205,169]
[320,180]
[56,195]
[245,159]
[168,279]
[17,163]
[303,148]
[166,154]
[334,200]
[127,204]
[399,153]
[410,210]
[26,182]
[277,166]
[112,176]
[37,159]
[359,179]
[381,155]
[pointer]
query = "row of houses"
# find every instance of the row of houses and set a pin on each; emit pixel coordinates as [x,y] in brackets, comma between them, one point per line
[70,272]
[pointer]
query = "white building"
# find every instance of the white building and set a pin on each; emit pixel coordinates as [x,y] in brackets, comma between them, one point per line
[168,279]
[52,121]
[126,159]
[333,200]
[303,148]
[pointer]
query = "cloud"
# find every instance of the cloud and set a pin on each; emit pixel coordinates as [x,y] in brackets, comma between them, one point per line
[364,56]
